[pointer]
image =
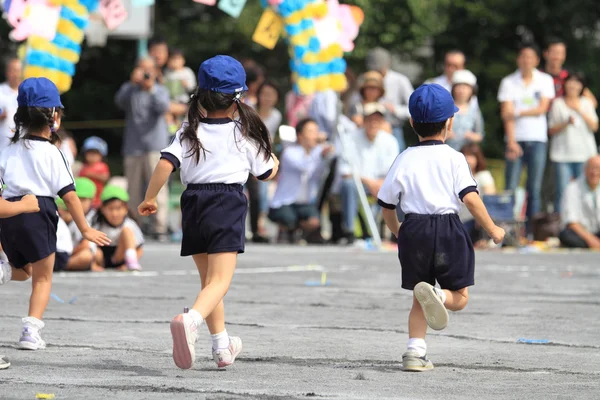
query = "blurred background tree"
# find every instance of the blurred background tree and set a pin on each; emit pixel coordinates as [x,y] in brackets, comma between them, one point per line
[488,31]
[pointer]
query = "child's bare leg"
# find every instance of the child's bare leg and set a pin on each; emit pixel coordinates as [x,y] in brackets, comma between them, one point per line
[41,286]
[126,249]
[456,300]
[21,274]
[417,324]
[218,278]
[216,320]
[81,260]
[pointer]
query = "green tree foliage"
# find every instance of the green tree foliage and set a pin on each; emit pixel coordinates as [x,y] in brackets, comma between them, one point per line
[488,31]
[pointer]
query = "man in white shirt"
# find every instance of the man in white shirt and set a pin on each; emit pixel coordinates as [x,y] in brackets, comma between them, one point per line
[397,91]
[8,100]
[524,98]
[454,60]
[580,211]
[372,151]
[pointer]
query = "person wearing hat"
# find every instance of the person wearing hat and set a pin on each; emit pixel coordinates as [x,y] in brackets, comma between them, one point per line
[94,150]
[113,218]
[64,241]
[222,143]
[32,164]
[145,103]
[371,91]
[468,121]
[372,151]
[84,252]
[432,180]
[397,91]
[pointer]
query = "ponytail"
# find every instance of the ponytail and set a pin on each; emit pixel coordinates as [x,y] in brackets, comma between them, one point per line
[254,128]
[249,122]
[33,120]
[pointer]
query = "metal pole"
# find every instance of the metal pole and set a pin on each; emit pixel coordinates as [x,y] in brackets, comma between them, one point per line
[341,133]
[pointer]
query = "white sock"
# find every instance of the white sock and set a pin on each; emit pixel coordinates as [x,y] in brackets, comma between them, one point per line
[196,317]
[220,340]
[418,345]
[441,293]
[131,256]
[33,323]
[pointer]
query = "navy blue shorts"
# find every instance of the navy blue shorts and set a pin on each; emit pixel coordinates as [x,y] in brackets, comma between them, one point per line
[435,248]
[213,219]
[61,260]
[28,238]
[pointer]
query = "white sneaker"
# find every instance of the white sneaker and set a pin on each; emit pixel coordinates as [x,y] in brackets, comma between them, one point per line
[185,334]
[226,357]
[5,272]
[4,362]
[432,305]
[30,336]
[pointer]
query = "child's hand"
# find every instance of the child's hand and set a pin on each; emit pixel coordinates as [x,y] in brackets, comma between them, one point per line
[148,207]
[97,237]
[30,204]
[497,235]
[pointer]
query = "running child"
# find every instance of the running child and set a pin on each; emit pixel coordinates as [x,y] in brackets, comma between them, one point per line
[126,236]
[223,142]
[32,164]
[28,204]
[433,244]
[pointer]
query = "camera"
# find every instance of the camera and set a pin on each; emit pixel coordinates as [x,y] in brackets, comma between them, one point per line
[146,76]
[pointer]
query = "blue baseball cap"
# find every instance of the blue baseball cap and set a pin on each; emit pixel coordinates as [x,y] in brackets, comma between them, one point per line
[38,92]
[222,74]
[431,103]
[95,143]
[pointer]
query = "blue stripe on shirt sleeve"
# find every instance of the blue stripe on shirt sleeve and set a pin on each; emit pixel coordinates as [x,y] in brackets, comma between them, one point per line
[66,189]
[386,205]
[172,159]
[265,175]
[467,190]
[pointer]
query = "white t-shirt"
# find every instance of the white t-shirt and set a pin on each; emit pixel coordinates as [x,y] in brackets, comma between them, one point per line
[575,143]
[8,104]
[299,176]
[513,89]
[64,243]
[35,166]
[114,232]
[432,178]
[230,156]
[443,81]
[371,158]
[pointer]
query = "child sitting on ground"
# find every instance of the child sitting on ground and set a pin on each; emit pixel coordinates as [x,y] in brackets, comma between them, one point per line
[127,239]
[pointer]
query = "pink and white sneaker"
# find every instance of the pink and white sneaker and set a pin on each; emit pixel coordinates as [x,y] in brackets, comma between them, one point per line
[226,357]
[185,334]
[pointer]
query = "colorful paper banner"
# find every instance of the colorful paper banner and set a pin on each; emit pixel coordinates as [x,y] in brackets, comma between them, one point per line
[269,29]
[113,12]
[232,7]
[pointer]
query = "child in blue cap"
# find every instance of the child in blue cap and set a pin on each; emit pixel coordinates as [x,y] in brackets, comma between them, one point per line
[432,179]
[32,164]
[223,141]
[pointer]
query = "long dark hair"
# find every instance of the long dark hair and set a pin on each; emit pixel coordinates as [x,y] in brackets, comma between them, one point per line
[249,122]
[34,120]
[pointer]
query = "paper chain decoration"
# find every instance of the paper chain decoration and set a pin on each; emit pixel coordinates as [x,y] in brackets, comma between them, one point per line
[54,30]
[318,32]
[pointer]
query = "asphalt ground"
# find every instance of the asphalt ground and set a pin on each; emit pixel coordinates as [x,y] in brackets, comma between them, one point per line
[108,333]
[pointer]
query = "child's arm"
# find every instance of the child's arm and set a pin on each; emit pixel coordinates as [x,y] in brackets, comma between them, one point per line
[478,210]
[274,170]
[74,207]
[391,220]
[28,204]
[159,178]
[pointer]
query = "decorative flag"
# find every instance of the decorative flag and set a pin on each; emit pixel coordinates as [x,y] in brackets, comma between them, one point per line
[142,3]
[269,29]
[207,2]
[232,7]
